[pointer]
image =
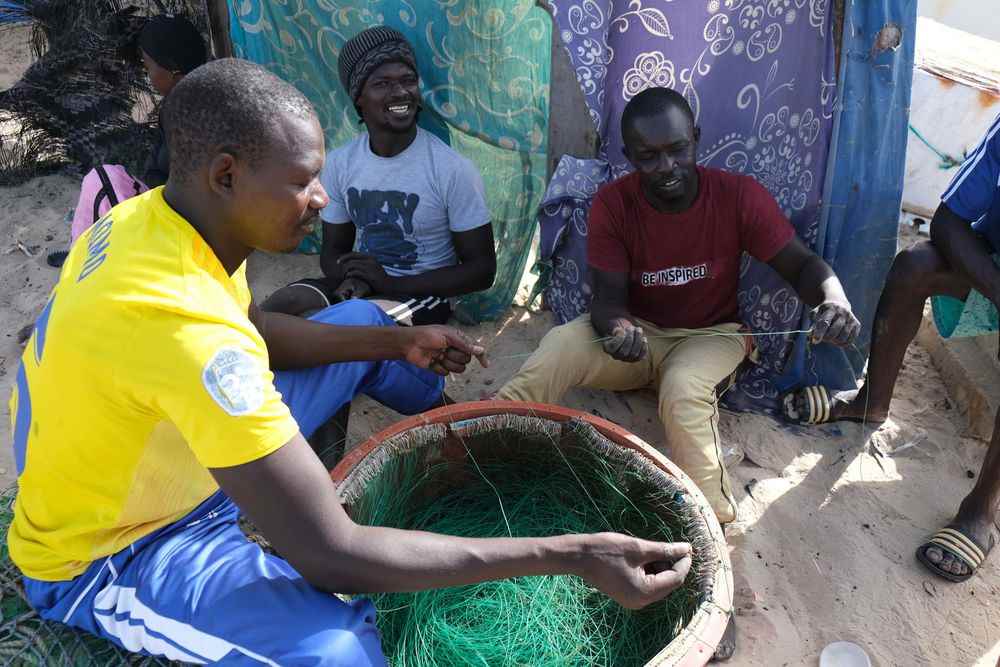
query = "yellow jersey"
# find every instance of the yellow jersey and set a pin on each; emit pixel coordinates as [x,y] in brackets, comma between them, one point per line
[143,371]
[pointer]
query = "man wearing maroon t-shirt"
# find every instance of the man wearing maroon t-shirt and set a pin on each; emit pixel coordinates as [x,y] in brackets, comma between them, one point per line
[664,250]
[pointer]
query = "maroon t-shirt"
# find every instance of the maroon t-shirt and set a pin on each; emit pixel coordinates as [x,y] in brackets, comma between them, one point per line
[684,267]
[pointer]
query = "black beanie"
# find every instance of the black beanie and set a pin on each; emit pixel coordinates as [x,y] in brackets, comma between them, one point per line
[367,51]
[173,43]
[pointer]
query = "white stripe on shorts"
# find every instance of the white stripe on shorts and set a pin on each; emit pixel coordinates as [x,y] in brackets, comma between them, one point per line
[141,628]
[393,312]
[79,599]
[408,309]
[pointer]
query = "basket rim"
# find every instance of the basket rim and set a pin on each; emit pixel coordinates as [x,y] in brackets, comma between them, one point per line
[696,643]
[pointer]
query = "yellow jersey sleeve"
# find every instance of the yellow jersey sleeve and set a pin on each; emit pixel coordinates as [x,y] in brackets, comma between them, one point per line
[212,381]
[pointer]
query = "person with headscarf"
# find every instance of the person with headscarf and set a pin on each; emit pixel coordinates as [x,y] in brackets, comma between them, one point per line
[170,47]
[413,208]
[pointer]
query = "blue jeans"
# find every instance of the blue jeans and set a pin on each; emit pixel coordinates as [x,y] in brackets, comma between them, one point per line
[198,591]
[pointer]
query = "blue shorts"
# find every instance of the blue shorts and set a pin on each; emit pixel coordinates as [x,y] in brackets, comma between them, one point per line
[198,591]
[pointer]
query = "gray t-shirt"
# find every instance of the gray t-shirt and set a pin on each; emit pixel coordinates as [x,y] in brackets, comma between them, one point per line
[404,207]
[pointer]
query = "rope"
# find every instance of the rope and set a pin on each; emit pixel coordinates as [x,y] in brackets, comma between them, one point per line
[947,161]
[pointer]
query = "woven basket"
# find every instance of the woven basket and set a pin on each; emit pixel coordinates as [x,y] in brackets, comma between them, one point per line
[436,435]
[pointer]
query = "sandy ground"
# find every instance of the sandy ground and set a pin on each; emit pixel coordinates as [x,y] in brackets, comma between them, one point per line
[824,550]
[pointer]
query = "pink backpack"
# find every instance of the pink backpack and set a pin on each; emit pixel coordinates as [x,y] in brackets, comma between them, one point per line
[104,187]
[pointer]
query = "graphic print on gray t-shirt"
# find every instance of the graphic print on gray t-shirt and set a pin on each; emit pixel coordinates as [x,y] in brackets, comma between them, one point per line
[405,208]
[384,220]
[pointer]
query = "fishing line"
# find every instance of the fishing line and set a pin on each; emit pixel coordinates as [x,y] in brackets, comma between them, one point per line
[693,334]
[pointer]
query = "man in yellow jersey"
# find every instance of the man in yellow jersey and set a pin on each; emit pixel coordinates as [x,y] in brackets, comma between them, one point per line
[147,417]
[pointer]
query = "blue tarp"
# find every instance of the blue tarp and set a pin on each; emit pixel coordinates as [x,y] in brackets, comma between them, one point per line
[860,219]
[13,12]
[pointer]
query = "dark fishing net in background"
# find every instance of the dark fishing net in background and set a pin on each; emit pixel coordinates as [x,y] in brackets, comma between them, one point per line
[85,100]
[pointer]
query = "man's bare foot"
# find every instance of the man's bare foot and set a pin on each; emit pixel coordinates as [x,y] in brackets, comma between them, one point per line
[978,527]
[727,645]
[852,405]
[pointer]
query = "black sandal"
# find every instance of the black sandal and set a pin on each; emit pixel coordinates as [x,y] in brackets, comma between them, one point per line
[56,259]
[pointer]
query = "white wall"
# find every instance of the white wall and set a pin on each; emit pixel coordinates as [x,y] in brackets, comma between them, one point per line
[953,111]
[953,118]
[980,17]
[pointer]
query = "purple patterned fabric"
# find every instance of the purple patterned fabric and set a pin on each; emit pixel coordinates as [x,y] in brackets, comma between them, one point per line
[758,75]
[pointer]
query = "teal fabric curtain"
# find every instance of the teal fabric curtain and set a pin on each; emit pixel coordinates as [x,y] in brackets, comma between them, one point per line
[484,70]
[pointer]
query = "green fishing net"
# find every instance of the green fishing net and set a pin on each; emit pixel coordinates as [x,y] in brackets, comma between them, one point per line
[25,639]
[523,476]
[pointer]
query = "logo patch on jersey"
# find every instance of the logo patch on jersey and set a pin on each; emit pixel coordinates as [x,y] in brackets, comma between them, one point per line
[677,275]
[235,381]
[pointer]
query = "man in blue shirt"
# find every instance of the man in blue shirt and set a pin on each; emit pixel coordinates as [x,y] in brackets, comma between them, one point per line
[957,268]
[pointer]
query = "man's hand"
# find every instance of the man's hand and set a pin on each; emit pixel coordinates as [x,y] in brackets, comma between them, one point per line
[627,342]
[352,288]
[366,268]
[833,322]
[441,349]
[634,572]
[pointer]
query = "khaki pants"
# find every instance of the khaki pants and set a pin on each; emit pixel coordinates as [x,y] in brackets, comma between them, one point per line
[683,365]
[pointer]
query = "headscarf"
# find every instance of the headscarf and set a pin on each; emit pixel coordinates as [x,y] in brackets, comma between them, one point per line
[173,43]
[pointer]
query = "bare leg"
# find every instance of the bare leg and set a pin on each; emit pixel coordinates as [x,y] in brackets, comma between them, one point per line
[916,274]
[977,515]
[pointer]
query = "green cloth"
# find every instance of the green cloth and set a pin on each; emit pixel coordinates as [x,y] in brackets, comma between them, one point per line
[976,316]
[955,318]
[485,70]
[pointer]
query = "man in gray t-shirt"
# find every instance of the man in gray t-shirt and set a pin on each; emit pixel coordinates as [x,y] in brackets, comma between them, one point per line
[407,221]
